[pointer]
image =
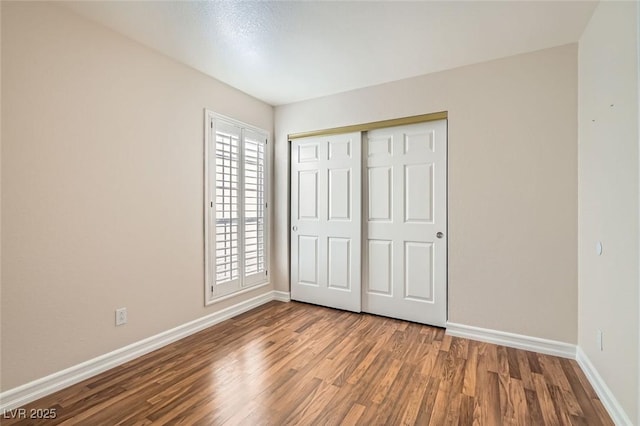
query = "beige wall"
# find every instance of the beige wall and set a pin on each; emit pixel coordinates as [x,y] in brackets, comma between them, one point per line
[512,183]
[608,197]
[102,192]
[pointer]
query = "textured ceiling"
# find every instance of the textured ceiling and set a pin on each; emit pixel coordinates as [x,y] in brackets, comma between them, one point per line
[283,52]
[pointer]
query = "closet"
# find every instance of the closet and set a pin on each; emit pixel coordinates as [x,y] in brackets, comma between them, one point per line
[369,220]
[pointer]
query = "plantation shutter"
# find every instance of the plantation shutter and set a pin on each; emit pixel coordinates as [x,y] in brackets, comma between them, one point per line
[239,208]
[254,206]
[227,185]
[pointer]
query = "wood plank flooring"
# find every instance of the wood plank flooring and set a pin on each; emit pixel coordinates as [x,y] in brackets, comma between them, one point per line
[292,363]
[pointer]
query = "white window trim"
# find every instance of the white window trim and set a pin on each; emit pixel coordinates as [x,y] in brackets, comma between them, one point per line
[209,209]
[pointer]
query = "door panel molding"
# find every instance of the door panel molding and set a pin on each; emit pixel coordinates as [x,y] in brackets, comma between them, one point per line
[406,210]
[326,216]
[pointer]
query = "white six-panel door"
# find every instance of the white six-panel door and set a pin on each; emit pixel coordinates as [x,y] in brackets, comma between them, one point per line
[326,219]
[405,223]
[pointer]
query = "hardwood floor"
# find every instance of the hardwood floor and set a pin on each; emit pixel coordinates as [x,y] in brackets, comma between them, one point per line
[292,363]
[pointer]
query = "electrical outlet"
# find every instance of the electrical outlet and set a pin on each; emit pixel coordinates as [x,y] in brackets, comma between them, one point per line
[121,316]
[599,340]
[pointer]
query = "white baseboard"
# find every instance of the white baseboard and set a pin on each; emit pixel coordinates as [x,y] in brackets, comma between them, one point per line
[17,397]
[519,341]
[282,296]
[615,410]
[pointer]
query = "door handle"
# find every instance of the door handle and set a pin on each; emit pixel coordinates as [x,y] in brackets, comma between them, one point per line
[295,228]
[439,235]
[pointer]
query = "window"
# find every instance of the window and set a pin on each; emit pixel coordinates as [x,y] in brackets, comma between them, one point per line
[235,206]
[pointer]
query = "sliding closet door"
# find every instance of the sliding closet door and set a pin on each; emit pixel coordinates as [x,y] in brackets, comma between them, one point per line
[326,220]
[406,223]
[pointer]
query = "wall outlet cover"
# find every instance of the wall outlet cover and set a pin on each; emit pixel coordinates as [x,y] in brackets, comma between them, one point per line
[121,316]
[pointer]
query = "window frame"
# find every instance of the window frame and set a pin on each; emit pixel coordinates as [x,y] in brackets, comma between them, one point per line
[244,282]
